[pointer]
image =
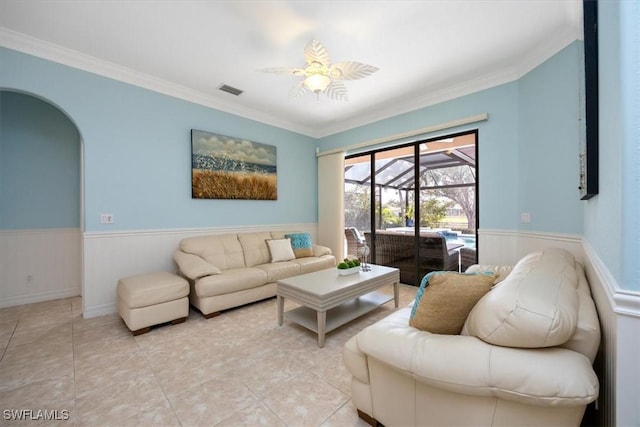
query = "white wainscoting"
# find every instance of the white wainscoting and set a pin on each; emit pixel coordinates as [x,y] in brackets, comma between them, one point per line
[617,363]
[39,265]
[111,256]
[619,312]
[506,247]
[53,258]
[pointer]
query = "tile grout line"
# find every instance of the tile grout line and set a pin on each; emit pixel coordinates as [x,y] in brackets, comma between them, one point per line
[339,391]
[4,350]
[153,372]
[317,368]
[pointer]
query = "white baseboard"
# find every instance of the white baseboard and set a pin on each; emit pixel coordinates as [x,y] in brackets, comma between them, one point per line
[98,310]
[39,297]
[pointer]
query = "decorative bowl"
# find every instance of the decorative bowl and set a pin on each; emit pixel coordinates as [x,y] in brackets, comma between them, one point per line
[347,271]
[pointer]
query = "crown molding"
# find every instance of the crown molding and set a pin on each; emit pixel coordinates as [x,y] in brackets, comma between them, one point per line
[446,93]
[36,47]
[437,96]
[52,52]
[546,50]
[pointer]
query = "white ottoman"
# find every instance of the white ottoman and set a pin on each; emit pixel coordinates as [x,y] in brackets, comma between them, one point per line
[151,299]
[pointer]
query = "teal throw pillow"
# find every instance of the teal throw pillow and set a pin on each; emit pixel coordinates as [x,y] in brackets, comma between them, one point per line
[301,243]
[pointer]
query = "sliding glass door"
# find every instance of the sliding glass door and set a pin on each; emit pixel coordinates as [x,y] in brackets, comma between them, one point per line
[414,206]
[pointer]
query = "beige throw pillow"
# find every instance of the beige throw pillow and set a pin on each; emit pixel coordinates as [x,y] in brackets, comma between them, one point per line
[447,299]
[280,250]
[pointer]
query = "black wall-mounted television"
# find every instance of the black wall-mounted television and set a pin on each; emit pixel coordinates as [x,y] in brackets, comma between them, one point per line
[589,164]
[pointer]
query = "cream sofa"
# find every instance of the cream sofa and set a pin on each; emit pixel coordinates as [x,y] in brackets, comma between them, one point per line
[229,270]
[524,356]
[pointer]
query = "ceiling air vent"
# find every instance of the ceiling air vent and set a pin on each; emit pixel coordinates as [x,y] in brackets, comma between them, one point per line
[230,89]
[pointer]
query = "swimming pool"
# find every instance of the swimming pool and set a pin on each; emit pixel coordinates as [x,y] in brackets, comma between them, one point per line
[468,240]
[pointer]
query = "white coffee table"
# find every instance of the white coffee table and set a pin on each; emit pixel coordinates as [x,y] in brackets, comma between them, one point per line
[329,300]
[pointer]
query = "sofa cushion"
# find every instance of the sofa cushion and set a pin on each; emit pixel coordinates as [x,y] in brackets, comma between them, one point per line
[232,280]
[466,365]
[301,243]
[194,266]
[311,264]
[280,250]
[279,270]
[445,299]
[586,339]
[535,306]
[319,250]
[255,247]
[221,250]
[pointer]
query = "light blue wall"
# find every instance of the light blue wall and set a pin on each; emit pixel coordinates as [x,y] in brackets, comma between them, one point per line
[612,217]
[528,149]
[630,82]
[40,165]
[549,143]
[602,213]
[137,152]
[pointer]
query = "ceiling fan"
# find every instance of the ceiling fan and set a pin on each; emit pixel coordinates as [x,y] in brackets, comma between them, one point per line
[322,77]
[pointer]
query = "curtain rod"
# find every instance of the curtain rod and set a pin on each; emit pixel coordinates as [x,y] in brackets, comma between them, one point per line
[433,128]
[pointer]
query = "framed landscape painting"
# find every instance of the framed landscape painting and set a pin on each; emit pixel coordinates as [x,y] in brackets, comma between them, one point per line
[224,167]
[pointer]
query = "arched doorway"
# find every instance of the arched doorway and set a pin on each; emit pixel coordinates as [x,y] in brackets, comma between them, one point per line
[41,209]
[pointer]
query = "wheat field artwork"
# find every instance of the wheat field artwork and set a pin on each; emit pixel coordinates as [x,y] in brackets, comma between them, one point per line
[224,167]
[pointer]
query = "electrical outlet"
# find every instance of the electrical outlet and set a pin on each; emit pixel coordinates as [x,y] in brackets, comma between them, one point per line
[106,218]
[29,279]
[525,217]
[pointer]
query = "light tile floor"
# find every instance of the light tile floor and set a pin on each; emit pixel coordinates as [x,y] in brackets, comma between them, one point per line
[239,368]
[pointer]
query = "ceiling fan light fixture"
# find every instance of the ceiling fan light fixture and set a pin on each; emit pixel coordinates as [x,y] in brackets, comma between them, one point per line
[322,77]
[317,82]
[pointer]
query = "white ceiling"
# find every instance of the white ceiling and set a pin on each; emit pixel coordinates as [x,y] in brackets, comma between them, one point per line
[427,51]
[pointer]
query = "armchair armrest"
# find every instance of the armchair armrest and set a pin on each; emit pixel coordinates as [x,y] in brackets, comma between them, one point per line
[355,361]
[321,250]
[193,266]
[467,365]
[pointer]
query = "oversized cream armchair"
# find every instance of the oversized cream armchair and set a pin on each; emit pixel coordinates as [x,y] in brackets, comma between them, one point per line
[524,356]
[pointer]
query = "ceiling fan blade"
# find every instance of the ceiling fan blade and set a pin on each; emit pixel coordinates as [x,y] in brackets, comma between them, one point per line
[298,90]
[337,91]
[315,52]
[283,70]
[351,70]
